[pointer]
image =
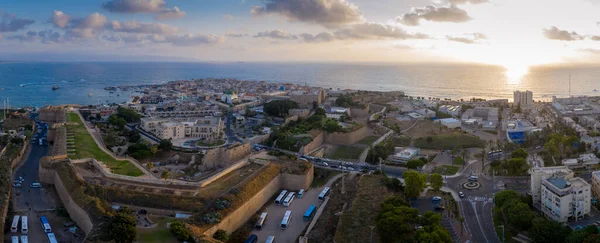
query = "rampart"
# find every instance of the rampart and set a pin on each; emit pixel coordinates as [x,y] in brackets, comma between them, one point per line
[348,138]
[318,138]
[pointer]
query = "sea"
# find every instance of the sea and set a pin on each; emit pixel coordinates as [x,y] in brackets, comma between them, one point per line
[30,83]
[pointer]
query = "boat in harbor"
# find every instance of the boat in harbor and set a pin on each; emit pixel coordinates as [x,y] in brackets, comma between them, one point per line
[54,87]
[90,94]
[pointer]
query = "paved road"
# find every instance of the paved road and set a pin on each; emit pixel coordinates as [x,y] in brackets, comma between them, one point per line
[297,223]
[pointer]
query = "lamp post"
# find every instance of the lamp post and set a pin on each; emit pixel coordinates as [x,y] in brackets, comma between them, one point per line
[371,237]
[502,226]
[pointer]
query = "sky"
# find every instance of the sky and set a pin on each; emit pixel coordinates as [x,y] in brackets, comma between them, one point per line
[512,33]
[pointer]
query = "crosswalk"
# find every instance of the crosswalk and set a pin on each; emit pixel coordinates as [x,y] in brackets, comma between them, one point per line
[480,199]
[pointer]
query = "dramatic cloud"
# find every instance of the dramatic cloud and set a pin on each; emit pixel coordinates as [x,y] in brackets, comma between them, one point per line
[276,34]
[329,13]
[555,33]
[134,6]
[167,14]
[193,40]
[472,38]
[92,21]
[60,19]
[457,2]
[158,7]
[143,28]
[436,14]
[10,23]
[363,31]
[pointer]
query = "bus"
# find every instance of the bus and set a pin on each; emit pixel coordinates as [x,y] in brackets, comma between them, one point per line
[300,193]
[15,224]
[261,220]
[270,239]
[24,239]
[324,193]
[285,222]
[15,239]
[51,238]
[310,212]
[45,225]
[24,225]
[495,155]
[252,239]
[289,199]
[280,197]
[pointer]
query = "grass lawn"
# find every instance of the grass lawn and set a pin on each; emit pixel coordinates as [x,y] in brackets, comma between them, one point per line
[160,233]
[449,141]
[491,132]
[450,169]
[85,147]
[204,143]
[458,161]
[368,140]
[402,141]
[346,152]
[229,180]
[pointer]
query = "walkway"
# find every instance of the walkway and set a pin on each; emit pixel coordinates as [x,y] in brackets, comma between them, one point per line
[100,144]
[365,153]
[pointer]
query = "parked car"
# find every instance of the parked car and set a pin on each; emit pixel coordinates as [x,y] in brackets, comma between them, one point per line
[17,185]
[436,198]
[439,208]
[461,194]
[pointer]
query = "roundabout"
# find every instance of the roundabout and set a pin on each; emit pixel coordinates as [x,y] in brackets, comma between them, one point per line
[471,185]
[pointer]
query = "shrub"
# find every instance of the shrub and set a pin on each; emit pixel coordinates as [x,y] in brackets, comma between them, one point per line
[221,204]
[221,235]
[211,218]
[180,231]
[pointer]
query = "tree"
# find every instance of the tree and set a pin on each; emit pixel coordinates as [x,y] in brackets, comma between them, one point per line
[150,165]
[320,112]
[116,121]
[437,181]
[517,166]
[178,229]
[129,115]
[122,227]
[503,197]
[397,223]
[415,183]
[221,235]
[165,145]
[432,234]
[153,150]
[415,163]
[518,214]
[165,174]
[520,153]
[544,230]
[577,236]
[279,108]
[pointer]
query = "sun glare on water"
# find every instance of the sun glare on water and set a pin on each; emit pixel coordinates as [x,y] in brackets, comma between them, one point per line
[514,73]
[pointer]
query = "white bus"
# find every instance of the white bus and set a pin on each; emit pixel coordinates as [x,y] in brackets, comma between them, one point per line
[285,222]
[270,239]
[15,224]
[300,193]
[51,238]
[24,239]
[289,199]
[24,225]
[324,193]
[261,220]
[280,197]
[15,239]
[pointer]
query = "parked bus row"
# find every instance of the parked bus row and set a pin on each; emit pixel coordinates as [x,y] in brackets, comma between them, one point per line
[14,228]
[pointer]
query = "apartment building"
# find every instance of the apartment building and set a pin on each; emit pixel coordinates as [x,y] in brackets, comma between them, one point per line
[206,128]
[565,199]
[539,173]
[596,184]
[523,98]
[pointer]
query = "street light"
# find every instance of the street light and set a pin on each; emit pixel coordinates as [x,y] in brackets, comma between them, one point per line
[372,227]
[502,226]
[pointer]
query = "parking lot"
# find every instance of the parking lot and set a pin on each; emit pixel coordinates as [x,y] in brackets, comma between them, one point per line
[297,223]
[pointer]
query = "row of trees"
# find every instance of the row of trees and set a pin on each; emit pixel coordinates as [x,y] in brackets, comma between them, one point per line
[279,108]
[415,183]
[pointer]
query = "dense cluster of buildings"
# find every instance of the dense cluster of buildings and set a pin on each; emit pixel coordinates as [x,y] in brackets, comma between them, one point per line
[209,128]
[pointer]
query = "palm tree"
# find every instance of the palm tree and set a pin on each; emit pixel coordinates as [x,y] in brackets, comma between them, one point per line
[154,149]
[165,175]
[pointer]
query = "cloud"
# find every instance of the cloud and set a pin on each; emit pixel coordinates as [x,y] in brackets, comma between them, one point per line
[10,23]
[168,14]
[44,36]
[143,28]
[276,34]
[134,6]
[193,40]
[235,35]
[363,31]
[436,14]
[457,2]
[555,33]
[329,13]
[228,17]
[92,21]
[472,38]
[595,38]
[59,19]
[321,37]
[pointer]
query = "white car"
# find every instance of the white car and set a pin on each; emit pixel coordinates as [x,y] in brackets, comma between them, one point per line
[17,185]
[436,198]
[351,168]
[461,194]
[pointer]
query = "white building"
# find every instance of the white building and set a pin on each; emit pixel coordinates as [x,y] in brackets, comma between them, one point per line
[523,98]
[229,96]
[584,161]
[207,128]
[539,173]
[449,122]
[404,154]
[565,199]
[452,110]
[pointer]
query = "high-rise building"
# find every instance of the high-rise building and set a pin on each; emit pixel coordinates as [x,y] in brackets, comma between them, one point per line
[524,98]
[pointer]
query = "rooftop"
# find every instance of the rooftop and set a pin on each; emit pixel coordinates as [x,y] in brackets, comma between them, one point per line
[559,182]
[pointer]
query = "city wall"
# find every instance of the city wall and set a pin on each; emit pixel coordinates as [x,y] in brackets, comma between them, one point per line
[223,157]
[359,112]
[283,181]
[318,138]
[301,113]
[347,138]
